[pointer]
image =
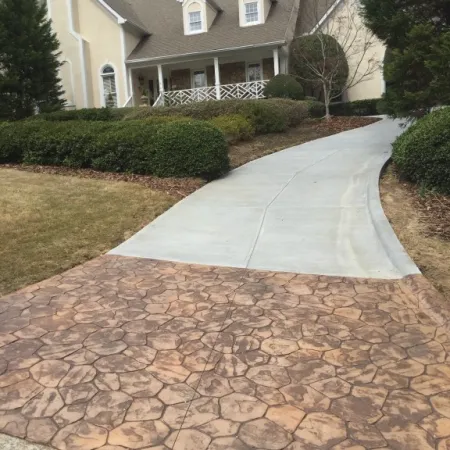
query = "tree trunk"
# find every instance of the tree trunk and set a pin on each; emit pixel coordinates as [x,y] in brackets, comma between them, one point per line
[326,99]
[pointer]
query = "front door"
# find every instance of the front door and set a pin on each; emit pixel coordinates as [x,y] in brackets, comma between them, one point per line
[254,72]
[199,79]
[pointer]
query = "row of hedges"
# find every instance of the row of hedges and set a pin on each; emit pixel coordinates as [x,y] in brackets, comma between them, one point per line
[265,116]
[422,152]
[176,148]
[367,107]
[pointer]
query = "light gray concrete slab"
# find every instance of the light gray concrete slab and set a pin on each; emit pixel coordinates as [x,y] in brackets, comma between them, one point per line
[12,443]
[312,208]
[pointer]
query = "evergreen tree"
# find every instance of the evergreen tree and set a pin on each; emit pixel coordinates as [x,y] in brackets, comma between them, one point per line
[28,60]
[417,34]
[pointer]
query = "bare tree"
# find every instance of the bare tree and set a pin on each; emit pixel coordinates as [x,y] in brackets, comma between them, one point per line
[339,51]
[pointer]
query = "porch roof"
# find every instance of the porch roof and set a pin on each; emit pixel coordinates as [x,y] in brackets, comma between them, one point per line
[164,21]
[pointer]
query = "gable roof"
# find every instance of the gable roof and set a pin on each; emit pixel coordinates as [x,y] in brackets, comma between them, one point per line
[126,10]
[164,21]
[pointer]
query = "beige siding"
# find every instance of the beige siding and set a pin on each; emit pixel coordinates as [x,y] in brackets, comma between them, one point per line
[101,30]
[373,85]
[71,72]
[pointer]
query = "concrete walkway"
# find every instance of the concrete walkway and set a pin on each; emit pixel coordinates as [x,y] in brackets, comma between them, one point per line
[313,208]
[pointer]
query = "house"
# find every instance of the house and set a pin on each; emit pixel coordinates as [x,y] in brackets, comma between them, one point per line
[128,52]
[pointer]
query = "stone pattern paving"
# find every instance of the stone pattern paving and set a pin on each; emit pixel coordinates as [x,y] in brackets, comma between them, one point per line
[126,353]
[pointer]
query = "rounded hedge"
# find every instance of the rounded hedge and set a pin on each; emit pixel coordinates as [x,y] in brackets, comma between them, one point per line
[235,127]
[422,152]
[284,86]
[191,148]
[176,148]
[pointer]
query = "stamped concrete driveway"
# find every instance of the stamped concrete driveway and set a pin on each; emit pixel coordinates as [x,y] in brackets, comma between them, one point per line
[129,353]
[313,208]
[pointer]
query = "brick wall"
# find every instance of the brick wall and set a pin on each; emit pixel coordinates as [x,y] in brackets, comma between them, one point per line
[231,73]
[180,79]
[268,72]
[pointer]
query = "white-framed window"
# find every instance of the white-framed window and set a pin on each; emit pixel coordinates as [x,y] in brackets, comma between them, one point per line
[195,22]
[251,12]
[109,86]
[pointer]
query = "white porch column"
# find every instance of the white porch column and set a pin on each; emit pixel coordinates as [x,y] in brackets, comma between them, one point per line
[161,81]
[276,62]
[217,77]
[130,84]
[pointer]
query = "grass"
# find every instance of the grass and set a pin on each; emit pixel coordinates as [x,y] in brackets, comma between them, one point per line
[421,229]
[50,223]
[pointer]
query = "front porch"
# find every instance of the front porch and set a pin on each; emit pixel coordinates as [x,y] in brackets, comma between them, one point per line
[232,76]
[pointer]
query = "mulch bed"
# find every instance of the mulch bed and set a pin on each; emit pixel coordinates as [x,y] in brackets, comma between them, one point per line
[435,209]
[176,187]
[338,124]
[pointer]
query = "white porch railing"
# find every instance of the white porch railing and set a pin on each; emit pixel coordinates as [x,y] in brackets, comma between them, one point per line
[249,90]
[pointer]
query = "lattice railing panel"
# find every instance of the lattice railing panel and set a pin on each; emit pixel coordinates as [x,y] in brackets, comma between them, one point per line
[249,90]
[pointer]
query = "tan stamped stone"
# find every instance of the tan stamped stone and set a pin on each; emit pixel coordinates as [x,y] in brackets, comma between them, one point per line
[80,435]
[277,347]
[286,416]
[264,434]
[191,440]
[332,387]
[321,429]
[45,404]
[241,407]
[137,435]
[144,409]
[220,428]
[17,395]
[107,409]
[177,393]
[269,375]
[436,426]
[49,372]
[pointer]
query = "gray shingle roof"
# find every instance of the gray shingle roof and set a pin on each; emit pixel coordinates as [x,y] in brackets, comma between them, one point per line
[164,21]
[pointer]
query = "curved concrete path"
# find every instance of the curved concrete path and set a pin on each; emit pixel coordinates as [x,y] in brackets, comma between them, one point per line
[313,208]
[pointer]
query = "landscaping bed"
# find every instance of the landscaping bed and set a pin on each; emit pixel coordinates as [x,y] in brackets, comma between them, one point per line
[421,221]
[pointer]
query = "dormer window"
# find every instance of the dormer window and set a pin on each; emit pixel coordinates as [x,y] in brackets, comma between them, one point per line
[198,15]
[195,22]
[251,13]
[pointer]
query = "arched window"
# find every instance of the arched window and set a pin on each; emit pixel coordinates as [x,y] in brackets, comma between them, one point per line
[109,86]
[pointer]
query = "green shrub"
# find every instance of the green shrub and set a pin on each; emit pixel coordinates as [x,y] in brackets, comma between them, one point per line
[235,127]
[284,86]
[422,152]
[190,149]
[316,109]
[14,137]
[266,116]
[356,108]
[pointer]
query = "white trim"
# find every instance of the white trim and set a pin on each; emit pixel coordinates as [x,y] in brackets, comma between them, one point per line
[217,77]
[160,58]
[248,63]
[102,88]
[119,18]
[130,83]
[276,62]
[192,76]
[72,79]
[80,40]
[325,17]
[124,64]
[49,9]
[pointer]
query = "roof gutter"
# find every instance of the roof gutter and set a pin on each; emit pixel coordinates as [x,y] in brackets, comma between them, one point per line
[244,47]
[120,20]
[325,17]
